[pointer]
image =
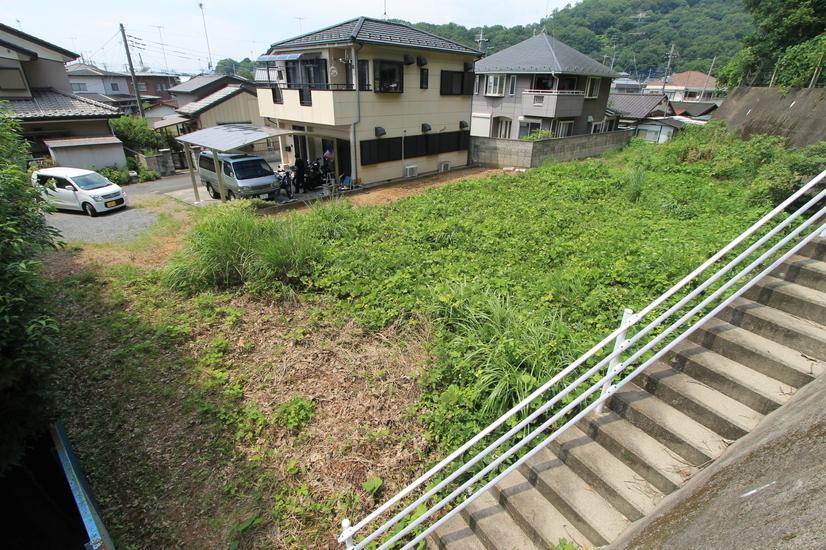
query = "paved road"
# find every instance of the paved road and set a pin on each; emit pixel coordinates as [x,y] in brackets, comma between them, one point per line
[117,225]
[159,187]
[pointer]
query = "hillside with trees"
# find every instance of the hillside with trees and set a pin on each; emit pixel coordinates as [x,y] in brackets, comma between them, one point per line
[635,34]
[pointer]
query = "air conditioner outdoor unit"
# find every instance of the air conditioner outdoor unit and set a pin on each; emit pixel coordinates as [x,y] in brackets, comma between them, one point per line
[410,171]
[444,166]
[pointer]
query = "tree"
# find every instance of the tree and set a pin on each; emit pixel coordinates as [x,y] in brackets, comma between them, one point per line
[26,329]
[136,134]
[228,66]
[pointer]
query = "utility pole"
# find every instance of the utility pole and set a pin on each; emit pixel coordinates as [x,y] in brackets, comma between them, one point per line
[705,83]
[132,70]
[206,35]
[481,40]
[818,69]
[668,67]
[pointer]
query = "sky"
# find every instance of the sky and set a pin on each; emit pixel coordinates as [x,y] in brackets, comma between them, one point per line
[236,29]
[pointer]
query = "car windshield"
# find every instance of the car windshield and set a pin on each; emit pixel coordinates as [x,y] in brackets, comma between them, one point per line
[254,168]
[87,182]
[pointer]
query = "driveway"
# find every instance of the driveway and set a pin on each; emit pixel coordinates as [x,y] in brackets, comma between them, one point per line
[159,187]
[116,225]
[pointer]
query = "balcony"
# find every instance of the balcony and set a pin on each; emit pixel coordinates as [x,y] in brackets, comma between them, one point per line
[552,103]
[329,104]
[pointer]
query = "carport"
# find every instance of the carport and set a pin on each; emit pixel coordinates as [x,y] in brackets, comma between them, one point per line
[226,138]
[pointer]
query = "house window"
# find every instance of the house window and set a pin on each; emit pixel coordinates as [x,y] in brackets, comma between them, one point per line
[364,75]
[543,82]
[388,76]
[276,94]
[374,151]
[539,100]
[503,128]
[456,83]
[495,85]
[161,87]
[564,128]
[597,127]
[592,87]
[476,83]
[423,78]
[114,86]
[79,87]
[141,86]
[512,85]
[567,83]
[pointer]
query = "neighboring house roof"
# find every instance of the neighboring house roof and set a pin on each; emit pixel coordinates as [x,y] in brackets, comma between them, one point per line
[196,107]
[693,108]
[197,82]
[38,41]
[375,31]
[635,105]
[111,98]
[687,79]
[171,120]
[665,121]
[542,54]
[48,103]
[81,142]
[84,69]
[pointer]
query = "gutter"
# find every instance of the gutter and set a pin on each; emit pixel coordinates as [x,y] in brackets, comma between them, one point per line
[353,143]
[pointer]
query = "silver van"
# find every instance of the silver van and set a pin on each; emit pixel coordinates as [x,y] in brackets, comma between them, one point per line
[245,176]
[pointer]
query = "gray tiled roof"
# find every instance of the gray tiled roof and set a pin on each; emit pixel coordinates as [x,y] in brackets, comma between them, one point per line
[85,69]
[542,54]
[197,82]
[211,100]
[634,105]
[48,103]
[374,31]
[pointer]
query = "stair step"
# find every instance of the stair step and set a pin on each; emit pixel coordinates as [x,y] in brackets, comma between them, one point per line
[711,408]
[784,328]
[793,298]
[652,460]
[761,354]
[688,438]
[804,271]
[455,534]
[493,526]
[816,249]
[750,387]
[592,515]
[626,490]
[534,513]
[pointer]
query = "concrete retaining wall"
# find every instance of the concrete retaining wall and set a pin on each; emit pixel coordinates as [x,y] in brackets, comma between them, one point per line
[796,114]
[530,154]
[161,163]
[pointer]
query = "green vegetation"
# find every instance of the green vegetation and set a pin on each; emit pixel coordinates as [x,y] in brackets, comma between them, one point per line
[228,66]
[295,413]
[637,35]
[136,134]
[536,135]
[115,174]
[787,45]
[26,328]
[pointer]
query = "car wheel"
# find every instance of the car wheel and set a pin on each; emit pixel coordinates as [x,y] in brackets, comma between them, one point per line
[89,210]
[230,195]
[212,193]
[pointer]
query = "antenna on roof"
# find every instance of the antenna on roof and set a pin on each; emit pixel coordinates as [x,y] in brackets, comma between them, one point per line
[19,24]
[299,19]
[385,10]
[481,40]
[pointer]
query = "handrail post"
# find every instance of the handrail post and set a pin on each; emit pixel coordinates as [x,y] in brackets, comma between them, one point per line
[619,342]
[346,535]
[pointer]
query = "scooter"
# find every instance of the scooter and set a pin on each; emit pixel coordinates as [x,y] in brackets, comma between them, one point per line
[285,181]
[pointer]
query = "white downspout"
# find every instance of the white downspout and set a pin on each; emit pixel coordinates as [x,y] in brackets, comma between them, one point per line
[354,170]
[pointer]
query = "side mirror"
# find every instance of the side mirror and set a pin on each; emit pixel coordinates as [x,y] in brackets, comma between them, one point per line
[69,187]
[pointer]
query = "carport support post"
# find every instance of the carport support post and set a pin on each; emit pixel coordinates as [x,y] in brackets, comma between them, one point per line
[219,168]
[191,171]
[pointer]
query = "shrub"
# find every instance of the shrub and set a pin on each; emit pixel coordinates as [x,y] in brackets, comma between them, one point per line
[136,134]
[634,183]
[26,329]
[536,135]
[148,175]
[115,174]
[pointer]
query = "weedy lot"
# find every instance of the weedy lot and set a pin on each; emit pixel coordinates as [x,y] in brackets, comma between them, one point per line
[237,381]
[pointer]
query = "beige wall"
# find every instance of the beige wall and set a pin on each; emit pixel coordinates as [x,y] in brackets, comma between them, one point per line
[43,73]
[240,108]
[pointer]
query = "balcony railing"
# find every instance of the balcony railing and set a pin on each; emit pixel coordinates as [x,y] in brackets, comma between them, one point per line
[554,92]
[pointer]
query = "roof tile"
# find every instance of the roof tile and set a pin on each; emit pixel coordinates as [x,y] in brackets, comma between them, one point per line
[51,103]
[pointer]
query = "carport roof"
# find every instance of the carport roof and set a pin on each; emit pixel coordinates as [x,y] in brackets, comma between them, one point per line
[171,120]
[229,137]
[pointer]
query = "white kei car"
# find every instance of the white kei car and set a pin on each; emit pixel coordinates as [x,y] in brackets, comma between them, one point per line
[79,189]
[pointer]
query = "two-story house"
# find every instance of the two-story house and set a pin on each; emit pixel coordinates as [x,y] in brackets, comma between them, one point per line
[72,129]
[686,86]
[540,84]
[200,86]
[383,99]
[102,85]
[155,84]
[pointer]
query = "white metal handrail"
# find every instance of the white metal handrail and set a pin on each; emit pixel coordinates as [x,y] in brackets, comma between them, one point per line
[616,367]
[554,92]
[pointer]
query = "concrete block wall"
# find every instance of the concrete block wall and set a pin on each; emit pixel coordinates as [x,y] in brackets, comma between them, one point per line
[529,154]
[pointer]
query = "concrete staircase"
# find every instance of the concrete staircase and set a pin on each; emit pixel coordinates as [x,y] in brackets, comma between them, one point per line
[674,419]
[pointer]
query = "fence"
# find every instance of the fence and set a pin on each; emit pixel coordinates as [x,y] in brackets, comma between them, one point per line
[530,154]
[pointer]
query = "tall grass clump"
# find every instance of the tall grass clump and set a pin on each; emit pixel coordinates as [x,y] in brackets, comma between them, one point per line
[634,183]
[230,246]
[491,354]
